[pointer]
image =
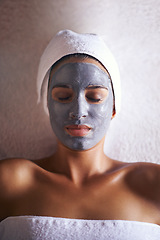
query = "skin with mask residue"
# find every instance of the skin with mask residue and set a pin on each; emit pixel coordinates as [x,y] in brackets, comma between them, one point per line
[80,101]
[79,181]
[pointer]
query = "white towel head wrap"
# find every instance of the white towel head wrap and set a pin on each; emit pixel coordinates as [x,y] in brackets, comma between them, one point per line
[68,42]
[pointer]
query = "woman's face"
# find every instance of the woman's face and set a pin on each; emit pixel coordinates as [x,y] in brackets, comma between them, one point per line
[80,103]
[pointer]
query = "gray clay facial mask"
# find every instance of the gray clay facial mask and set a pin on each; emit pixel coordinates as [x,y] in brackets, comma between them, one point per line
[80,103]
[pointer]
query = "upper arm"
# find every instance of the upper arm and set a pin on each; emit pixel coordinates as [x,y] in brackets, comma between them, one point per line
[15,174]
[5,182]
[144,180]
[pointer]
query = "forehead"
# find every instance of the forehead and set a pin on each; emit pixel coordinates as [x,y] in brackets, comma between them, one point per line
[73,59]
[78,70]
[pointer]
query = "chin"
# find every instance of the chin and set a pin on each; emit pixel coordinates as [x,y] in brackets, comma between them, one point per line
[80,144]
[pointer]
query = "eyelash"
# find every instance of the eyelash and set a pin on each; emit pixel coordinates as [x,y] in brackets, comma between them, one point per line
[94,100]
[64,98]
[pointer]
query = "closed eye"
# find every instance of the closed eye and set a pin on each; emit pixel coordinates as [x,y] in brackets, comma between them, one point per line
[61,94]
[63,99]
[96,95]
[94,99]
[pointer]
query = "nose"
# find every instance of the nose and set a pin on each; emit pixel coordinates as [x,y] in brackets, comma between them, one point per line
[76,116]
[79,108]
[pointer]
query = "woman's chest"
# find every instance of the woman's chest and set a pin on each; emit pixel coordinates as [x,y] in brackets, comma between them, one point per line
[94,202]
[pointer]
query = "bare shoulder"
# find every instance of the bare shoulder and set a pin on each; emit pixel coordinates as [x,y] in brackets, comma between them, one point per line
[12,166]
[144,180]
[13,174]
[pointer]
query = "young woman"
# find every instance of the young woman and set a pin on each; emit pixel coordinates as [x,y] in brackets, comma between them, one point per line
[79,192]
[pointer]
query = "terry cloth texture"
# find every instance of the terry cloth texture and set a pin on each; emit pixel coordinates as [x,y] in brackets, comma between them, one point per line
[68,42]
[51,228]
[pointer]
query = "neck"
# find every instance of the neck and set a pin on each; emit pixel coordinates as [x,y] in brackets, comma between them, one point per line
[79,166]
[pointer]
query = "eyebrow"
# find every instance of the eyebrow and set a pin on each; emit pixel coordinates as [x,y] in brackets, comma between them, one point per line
[95,87]
[61,86]
[89,87]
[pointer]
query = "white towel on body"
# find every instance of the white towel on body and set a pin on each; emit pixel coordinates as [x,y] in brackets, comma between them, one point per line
[52,228]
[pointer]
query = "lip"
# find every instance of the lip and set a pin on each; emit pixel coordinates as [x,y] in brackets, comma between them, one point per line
[77,130]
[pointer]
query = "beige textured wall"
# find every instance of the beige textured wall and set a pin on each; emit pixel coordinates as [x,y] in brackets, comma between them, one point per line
[132,31]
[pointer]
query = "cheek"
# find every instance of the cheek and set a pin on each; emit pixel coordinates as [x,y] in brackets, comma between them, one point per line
[58,112]
[101,112]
